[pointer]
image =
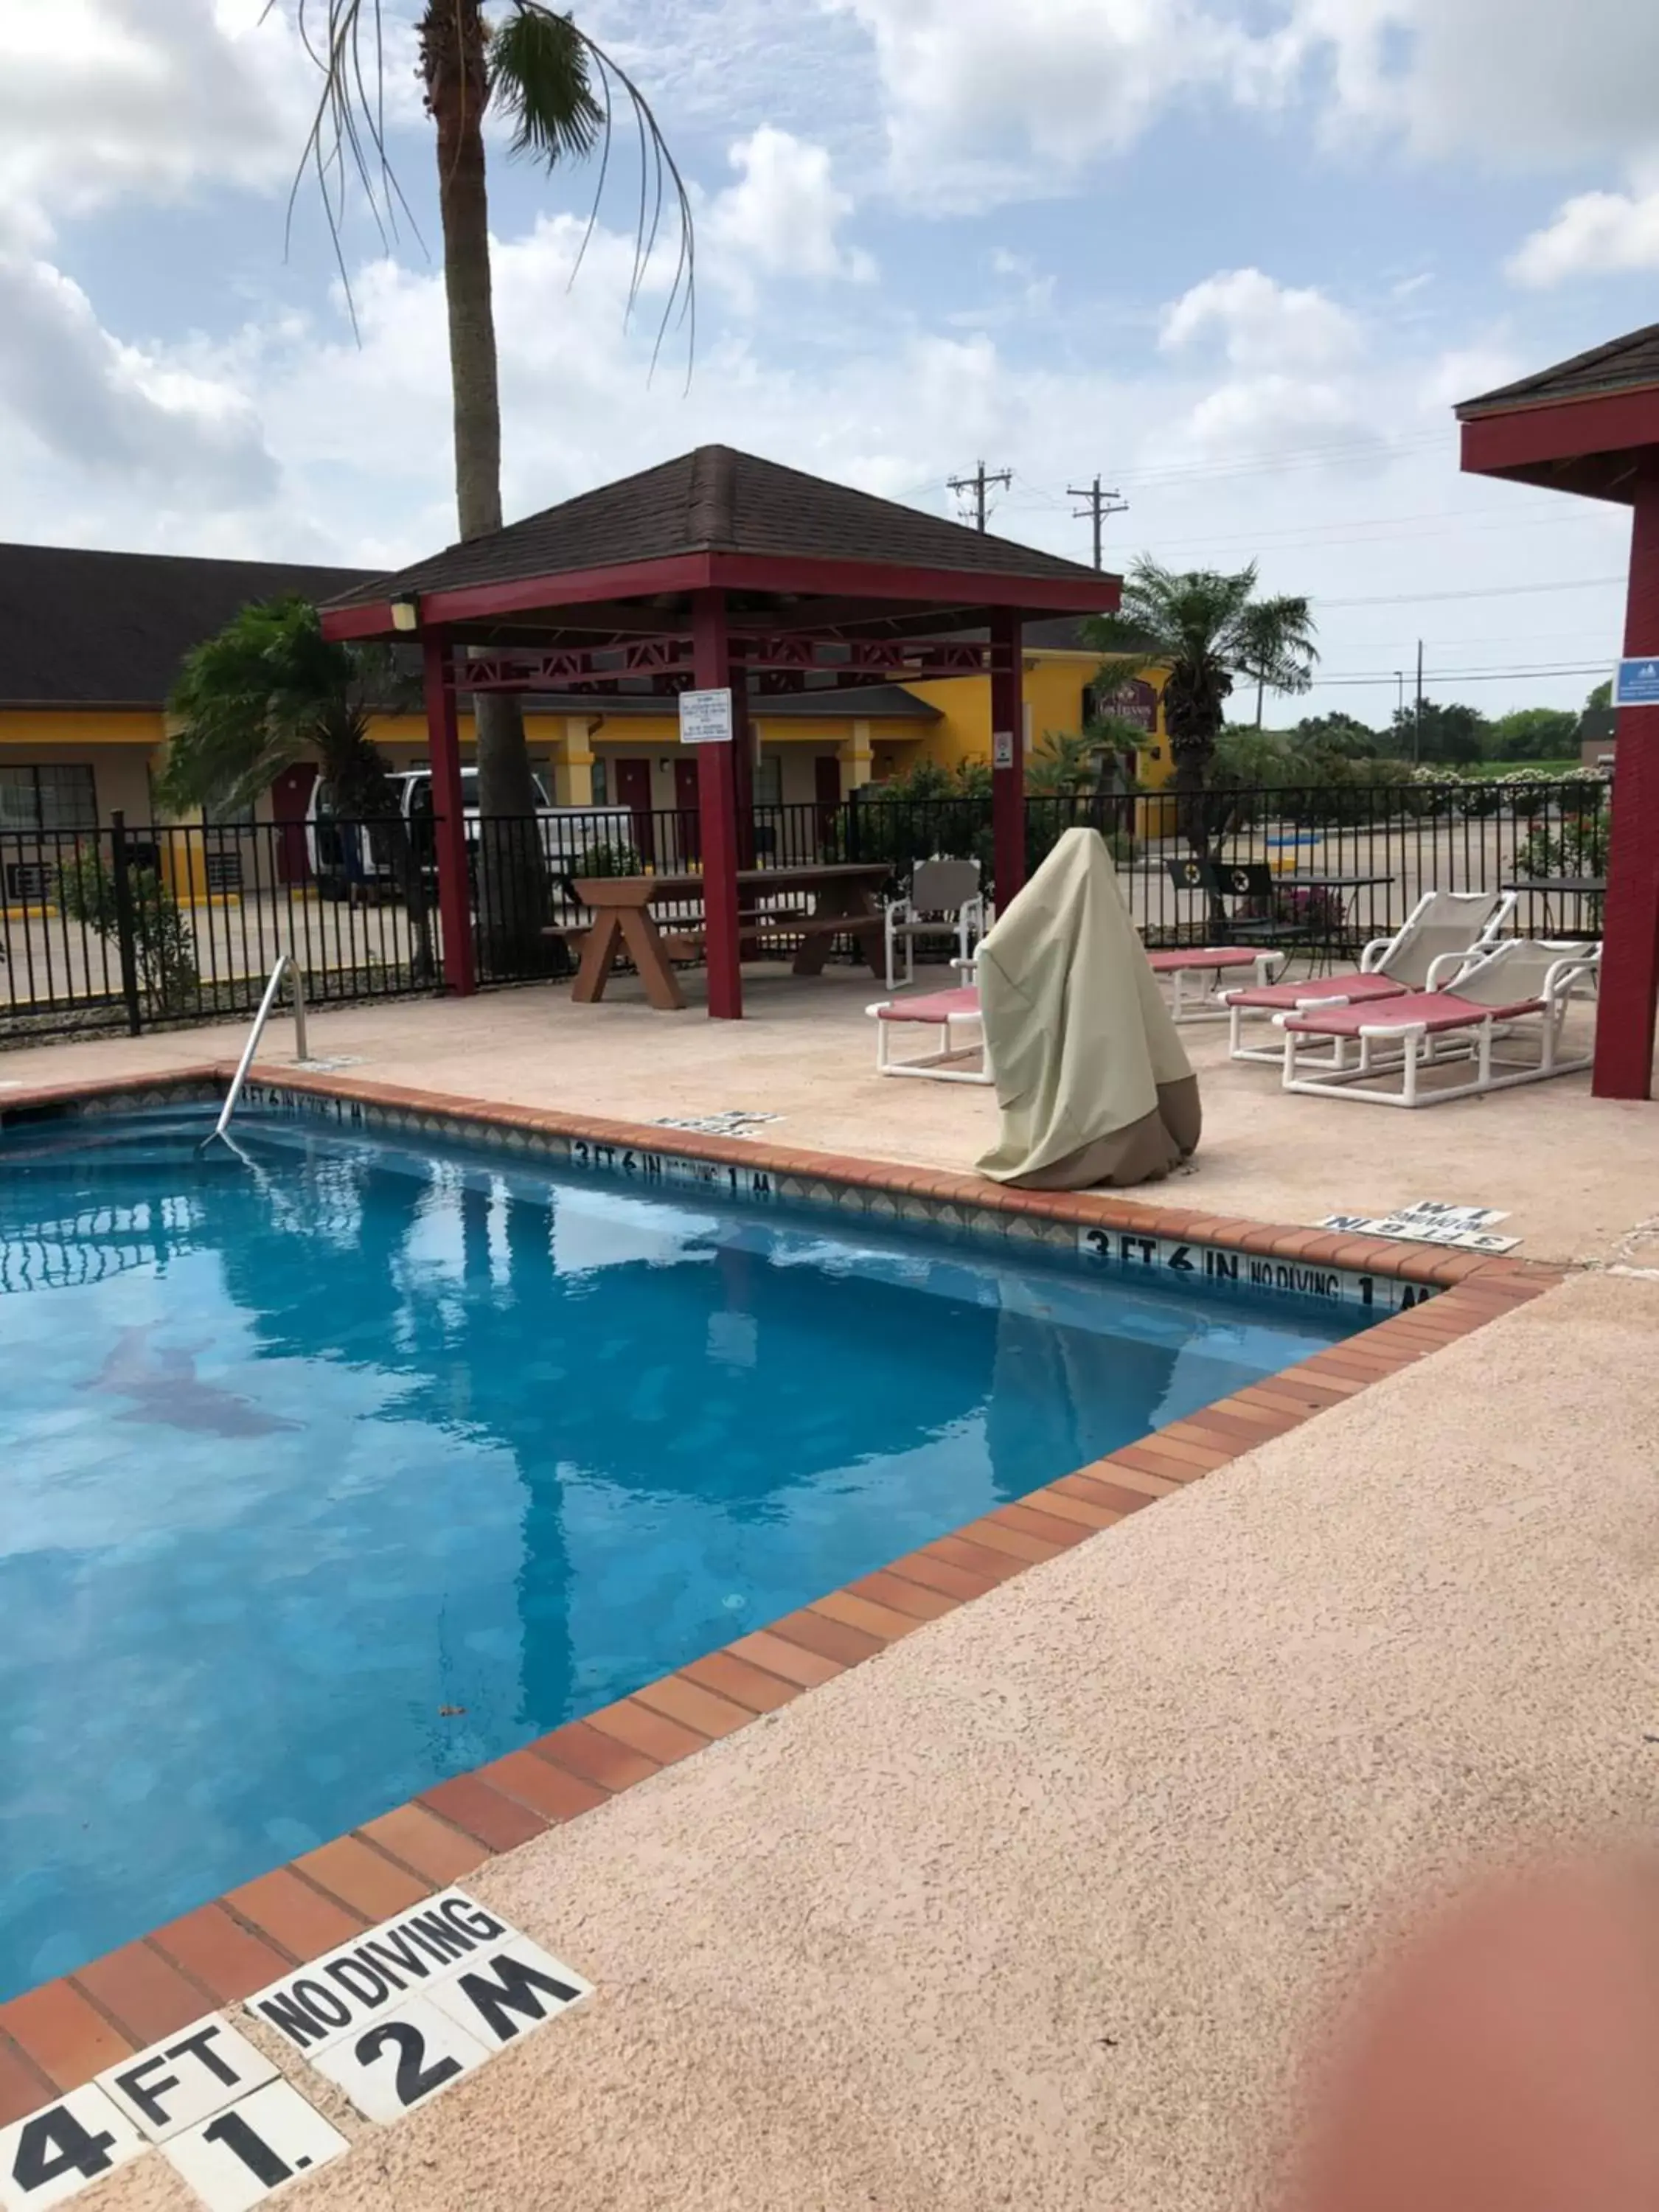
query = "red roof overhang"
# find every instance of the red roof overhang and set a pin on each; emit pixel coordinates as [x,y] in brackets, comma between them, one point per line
[735,571]
[1598,445]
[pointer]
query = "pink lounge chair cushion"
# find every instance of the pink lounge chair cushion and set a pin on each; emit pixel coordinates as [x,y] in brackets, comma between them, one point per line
[938,1006]
[1425,1010]
[1202,956]
[1353,985]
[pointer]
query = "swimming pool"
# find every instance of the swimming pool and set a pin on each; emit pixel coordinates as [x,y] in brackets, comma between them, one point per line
[344,1464]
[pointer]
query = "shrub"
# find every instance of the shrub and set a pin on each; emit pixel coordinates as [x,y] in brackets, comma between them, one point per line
[162,941]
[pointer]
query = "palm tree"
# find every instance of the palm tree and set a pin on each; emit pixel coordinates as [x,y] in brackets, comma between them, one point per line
[563,92]
[1207,630]
[270,690]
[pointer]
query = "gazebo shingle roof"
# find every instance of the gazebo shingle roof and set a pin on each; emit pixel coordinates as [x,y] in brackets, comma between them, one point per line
[717,500]
[1628,364]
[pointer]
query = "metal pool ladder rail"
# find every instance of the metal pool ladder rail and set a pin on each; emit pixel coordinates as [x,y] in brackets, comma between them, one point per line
[286,965]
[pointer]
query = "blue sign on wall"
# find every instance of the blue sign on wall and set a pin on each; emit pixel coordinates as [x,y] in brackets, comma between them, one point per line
[1636,683]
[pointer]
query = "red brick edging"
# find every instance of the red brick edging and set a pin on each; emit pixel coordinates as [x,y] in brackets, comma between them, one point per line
[59,2035]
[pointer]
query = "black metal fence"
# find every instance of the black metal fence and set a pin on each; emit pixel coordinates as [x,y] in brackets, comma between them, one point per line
[137,926]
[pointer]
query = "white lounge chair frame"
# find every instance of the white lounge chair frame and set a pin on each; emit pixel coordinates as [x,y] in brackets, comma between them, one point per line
[1505,977]
[1210,1003]
[890,1014]
[1486,913]
[948,890]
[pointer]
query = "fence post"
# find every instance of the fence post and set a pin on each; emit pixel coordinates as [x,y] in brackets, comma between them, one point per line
[126,921]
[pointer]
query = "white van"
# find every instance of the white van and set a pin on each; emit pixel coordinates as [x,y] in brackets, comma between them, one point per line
[571,836]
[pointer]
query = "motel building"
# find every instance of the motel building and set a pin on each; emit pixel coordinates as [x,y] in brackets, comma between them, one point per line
[90,643]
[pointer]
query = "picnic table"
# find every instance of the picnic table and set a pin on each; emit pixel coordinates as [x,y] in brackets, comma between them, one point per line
[846,902]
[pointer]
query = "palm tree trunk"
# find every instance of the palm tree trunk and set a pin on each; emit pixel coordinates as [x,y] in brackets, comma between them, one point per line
[512,874]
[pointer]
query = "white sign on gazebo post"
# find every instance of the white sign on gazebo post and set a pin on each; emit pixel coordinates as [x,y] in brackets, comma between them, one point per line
[706,718]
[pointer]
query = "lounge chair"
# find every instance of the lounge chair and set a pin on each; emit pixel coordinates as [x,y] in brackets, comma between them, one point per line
[1213,961]
[1517,990]
[1442,930]
[944,899]
[944,1012]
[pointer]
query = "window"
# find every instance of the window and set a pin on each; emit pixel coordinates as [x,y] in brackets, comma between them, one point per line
[54,798]
[768,781]
[601,781]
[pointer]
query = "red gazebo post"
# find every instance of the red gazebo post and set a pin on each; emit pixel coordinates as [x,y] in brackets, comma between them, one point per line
[1590,425]
[711,668]
[1630,959]
[1007,754]
[449,816]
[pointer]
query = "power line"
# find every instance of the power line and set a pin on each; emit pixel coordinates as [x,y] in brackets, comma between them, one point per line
[1097,504]
[977,483]
[1476,592]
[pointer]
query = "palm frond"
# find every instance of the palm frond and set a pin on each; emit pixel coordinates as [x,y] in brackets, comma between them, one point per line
[564,94]
[538,74]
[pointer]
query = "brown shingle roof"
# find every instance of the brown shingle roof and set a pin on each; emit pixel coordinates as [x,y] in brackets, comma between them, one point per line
[1625,364]
[718,500]
[85,629]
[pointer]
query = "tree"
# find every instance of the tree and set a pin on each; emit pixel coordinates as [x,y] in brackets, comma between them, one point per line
[1601,696]
[1343,735]
[1450,735]
[561,91]
[270,690]
[1533,734]
[1207,630]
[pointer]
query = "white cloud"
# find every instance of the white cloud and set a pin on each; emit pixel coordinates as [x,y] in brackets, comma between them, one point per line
[783,216]
[1262,324]
[116,413]
[1524,84]
[103,98]
[981,104]
[1288,348]
[1594,234]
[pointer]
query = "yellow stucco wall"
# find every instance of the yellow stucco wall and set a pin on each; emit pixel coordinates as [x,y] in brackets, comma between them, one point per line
[1054,684]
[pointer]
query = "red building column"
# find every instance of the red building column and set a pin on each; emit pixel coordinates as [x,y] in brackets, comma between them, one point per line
[711,660]
[1007,754]
[449,816]
[1630,961]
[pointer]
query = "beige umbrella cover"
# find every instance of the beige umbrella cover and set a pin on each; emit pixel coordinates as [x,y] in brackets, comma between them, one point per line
[1094,1084]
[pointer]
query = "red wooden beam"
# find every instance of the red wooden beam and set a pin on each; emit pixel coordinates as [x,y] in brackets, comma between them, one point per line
[750,572]
[449,826]
[1562,430]
[1630,960]
[1007,756]
[718,818]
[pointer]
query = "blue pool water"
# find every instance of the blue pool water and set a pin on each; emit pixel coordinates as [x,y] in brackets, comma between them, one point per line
[336,1468]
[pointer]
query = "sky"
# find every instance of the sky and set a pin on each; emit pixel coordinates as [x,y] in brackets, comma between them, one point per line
[1238,257]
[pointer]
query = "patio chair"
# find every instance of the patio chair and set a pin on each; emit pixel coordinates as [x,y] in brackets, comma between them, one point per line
[1518,990]
[1443,928]
[944,898]
[945,1013]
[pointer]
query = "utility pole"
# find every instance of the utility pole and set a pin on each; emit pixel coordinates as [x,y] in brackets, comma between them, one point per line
[978,483]
[1099,504]
[1417,731]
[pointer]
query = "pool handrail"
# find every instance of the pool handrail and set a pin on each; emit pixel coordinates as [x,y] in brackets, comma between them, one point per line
[286,964]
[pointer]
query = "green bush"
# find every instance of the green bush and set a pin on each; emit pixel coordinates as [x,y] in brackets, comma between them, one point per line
[162,940]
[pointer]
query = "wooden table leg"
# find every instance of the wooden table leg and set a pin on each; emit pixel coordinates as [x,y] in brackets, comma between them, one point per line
[838,902]
[597,954]
[644,940]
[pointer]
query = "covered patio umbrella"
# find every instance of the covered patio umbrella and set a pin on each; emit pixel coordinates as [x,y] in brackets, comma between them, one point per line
[1094,1084]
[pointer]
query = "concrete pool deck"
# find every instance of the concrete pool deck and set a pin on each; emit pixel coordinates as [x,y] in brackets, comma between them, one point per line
[1040,1907]
[1576,1174]
[1037,1907]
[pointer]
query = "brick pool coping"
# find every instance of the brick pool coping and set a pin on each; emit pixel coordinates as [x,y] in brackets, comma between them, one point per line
[57,2036]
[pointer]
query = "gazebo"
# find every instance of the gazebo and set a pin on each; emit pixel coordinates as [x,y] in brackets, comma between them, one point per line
[717,572]
[1590,425]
